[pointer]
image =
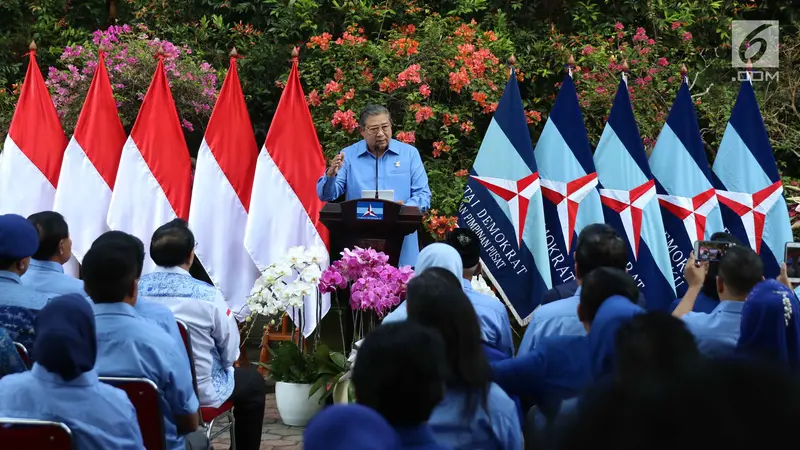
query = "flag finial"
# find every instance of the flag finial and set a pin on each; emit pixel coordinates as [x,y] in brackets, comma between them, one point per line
[295,52]
[233,53]
[570,64]
[102,48]
[684,71]
[512,60]
[625,67]
[32,46]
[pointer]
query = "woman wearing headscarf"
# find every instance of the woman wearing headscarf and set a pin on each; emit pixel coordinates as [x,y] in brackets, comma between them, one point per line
[349,427]
[63,386]
[475,413]
[770,329]
[10,362]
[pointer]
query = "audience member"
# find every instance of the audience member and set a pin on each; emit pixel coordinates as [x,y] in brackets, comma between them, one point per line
[46,272]
[153,311]
[10,362]
[475,413]
[740,269]
[770,329]
[434,255]
[568,289]
[349,427]
[491,312]
[728,403]
[130,346]
[708,298]
[214,331]
[598,246]
[18,303]
[561,367]
[63,384]
[400,373]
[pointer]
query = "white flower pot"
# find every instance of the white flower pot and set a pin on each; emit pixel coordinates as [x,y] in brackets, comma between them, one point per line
[294,406]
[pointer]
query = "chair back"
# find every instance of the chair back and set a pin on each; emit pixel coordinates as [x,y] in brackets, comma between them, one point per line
[187,343]
[38,434]
[145,397]
[23,355]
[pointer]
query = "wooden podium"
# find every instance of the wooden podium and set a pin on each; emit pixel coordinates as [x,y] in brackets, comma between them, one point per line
[368,222]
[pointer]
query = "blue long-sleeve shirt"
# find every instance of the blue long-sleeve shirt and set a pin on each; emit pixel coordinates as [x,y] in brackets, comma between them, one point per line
[400,169]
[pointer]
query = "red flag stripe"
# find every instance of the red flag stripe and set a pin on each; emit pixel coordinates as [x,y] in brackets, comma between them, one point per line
[230,137]
[99,130]
[35,127]
[159,138]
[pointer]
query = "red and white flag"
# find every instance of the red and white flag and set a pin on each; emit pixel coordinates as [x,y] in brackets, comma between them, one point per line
[32,154]
[226,163]
[154,176]
[90,164]
[284,207]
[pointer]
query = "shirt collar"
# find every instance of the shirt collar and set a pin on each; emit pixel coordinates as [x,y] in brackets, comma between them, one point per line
[418,435]
[176,270]
[578,291]
[51,266]
[85,379]
[730,306]
[6,276]
[118,309]
[362,147]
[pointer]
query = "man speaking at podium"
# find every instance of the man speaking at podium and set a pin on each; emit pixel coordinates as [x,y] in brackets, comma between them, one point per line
[379,167]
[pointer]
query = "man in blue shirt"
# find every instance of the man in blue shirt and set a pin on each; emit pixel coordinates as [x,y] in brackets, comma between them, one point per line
[46,273]
[598,245]
[130,346]
[379,162]
[717,332]
[18,303]
[491,311]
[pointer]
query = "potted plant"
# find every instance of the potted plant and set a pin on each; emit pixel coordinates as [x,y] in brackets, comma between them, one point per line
[332,371]
[285,287]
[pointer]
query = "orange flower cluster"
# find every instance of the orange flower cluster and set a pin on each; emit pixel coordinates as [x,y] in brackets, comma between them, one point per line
[405,46]
[438,225]
[439,147]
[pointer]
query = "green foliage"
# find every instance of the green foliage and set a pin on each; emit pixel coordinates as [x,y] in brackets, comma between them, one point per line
[331,367]
[290,365]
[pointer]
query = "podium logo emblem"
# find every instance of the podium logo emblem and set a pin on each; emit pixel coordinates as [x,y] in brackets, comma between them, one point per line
[369,210]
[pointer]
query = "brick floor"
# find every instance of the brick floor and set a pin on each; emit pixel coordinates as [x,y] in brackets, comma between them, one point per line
[274,436]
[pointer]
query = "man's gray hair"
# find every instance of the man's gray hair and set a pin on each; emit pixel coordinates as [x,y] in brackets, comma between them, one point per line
[372,110]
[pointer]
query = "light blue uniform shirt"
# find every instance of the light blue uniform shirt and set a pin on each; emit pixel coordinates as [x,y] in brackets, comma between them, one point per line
[492,313]
[558,318]
[49,277]
[100,416]
[162,317]
[130,346]
[399,169]
[14,293]
[717,332]
[495,427]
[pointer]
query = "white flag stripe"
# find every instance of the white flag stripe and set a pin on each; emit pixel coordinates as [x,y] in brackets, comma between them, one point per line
[218,220]
[25,189]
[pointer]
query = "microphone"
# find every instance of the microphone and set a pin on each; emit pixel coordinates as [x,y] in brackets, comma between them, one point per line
[376,176]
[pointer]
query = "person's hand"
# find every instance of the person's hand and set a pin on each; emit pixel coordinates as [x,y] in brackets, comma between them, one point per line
[695,273]
[336,164]
[783,278]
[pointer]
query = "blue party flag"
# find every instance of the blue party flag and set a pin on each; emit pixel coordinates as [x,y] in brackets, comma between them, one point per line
[628,193]
[569,181]
[503,205]
[689,206]
[749,186]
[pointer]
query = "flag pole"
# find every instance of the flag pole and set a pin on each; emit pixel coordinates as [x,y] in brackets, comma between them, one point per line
[684,74]
[749,69]
[512,61]
[625,69]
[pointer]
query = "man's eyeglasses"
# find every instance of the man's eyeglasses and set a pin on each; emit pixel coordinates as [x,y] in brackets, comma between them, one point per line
[386,128]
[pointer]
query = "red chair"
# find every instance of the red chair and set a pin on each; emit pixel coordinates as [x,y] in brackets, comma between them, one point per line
[23,355]
[145,397]
[38,434]
[209,415]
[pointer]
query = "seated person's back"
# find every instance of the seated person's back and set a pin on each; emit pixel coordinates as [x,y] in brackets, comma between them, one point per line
[130,346]
[46,273]
[399,373]
[475,413]
[599,245]
[63,385]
